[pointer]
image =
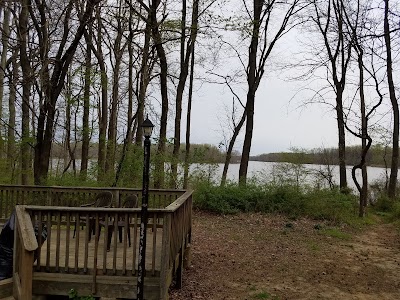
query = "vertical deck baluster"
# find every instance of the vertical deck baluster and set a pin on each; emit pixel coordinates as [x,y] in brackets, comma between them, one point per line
[8,204]
[77,225]
[58,241]
[106,240]
[125,244]
[115,244]
[48,241]
[88,232]
[2,200]
[153,260]
[39,251]
[68,216]
[96,246]
[135,221]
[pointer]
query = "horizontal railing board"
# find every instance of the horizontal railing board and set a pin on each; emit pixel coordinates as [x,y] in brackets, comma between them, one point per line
[6,288]
[106,286]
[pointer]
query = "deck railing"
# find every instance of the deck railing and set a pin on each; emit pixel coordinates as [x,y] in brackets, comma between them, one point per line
[11,195]
[88,259]
[25,245]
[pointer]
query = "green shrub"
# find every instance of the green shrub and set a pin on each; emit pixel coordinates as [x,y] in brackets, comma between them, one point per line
[384,204]
[289,200]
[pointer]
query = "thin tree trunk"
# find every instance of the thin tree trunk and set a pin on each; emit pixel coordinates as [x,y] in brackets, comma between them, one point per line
[5,41]
[144,82]
[86,110]
[52,88]
[184,70]
[395,107]
[251,82]
[159,168]
[188,122]
[341,139]
[103,107]
[26,87]
[228,156]
[11,111]
[112,128]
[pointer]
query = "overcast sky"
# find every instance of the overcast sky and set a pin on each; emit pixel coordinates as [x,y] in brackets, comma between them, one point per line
[281,121]
[280,124]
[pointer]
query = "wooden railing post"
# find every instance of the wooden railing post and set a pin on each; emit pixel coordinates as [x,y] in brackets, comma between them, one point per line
[165,272]
[25,245]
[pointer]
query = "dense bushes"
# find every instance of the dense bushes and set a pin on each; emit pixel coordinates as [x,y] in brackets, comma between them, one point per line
[289,200]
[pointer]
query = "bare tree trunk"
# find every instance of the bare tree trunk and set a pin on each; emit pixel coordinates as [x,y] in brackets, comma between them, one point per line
[330,20]
[52,88]
[341,138]
[228,156]
[103,107]
[188,122]
[395,107]
[26,87]
[118,51]
[129,138]
[251,82]
[158,43]
[184,71]
[366,142]
[5,41]
[11,111]
[144,82]
[86,110]
[256,64]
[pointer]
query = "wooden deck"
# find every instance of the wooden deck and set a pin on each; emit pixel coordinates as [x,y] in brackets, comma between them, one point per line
[99,264]
[109,261]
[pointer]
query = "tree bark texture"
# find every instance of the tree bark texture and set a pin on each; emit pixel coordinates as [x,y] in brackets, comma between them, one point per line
[395,107]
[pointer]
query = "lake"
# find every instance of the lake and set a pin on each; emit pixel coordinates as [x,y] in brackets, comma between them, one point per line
[265,171]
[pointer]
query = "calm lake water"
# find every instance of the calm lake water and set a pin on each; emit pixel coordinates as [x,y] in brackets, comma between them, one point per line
[267,171]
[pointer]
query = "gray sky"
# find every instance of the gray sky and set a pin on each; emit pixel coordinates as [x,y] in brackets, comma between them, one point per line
[280,123]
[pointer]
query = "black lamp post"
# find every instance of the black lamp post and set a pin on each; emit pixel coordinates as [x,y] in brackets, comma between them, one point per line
[147,130]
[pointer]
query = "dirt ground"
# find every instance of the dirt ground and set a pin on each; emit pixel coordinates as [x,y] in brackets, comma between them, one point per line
[255,256]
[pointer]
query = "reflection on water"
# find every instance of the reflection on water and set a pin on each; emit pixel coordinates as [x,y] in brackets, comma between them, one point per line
[267,170]
[261,171]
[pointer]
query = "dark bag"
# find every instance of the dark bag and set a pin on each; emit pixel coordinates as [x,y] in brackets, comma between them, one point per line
[7,246]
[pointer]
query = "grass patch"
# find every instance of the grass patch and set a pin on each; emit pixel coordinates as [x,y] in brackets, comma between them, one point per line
[336,233]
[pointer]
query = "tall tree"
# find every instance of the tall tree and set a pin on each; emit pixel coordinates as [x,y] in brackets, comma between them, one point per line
[11,110]
[328,18]
[186,50]
[51,85]
[259,51]
[5,34]
[118,49]
[395,106]
[26,89]
[86,109]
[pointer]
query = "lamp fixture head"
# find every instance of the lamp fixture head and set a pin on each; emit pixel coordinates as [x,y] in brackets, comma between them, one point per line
[147,127]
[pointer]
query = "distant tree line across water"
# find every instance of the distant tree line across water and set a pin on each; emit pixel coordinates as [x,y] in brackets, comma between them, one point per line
[377,156]
[199,153]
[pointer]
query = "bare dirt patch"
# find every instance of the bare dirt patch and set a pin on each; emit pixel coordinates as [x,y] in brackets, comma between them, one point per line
[256,256]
